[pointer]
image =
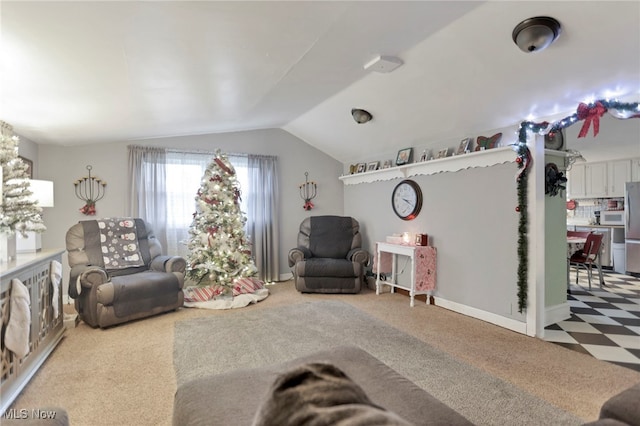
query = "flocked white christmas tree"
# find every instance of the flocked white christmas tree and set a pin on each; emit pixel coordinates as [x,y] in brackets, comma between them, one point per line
[219,250]
[18,212]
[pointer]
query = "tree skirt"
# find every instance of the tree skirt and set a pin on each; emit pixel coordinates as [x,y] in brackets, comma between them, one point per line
[245,292]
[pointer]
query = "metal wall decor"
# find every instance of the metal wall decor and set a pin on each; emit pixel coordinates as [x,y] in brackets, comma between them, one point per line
[89,189]
[308,191]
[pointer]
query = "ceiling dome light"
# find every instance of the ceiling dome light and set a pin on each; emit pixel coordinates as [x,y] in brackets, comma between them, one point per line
[534,34]
[361,116]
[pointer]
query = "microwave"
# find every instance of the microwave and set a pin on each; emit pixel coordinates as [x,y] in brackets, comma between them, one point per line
[612,217]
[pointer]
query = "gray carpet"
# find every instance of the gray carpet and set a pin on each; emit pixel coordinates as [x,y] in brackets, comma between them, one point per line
[248,338]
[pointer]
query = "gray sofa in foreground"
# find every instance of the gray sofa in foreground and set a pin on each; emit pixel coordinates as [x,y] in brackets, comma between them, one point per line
[621,409]
[234,398]
[241,397]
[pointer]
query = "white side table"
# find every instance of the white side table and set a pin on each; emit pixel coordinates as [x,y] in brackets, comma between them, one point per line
[423,268]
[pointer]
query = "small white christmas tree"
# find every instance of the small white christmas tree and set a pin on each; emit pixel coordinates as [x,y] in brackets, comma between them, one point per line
[18,212]
[219,250]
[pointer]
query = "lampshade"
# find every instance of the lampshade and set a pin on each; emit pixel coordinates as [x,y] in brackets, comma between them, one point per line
[42,192]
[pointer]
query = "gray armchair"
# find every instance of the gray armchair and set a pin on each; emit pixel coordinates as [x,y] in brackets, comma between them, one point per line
[329,257]
[118,273]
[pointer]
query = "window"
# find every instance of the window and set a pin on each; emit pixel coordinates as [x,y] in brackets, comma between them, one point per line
[184,172]
[164,186]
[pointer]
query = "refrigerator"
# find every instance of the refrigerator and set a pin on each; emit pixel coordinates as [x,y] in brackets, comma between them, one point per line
[632,226]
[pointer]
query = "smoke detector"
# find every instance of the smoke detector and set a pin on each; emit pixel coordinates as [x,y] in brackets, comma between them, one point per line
[383,64]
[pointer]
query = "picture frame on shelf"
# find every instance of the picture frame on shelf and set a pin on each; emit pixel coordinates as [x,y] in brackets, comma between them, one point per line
[29,164]
[404,156]
[361,168]
[483,142]
[373,165]
[426,155]
[464,146]
[443,153]
[387,164]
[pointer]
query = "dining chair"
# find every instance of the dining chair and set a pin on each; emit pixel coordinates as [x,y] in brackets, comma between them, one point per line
[579,234]
[588,256]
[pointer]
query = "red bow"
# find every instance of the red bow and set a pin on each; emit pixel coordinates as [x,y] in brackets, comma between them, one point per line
[308,205]
[88,209]
[589,115]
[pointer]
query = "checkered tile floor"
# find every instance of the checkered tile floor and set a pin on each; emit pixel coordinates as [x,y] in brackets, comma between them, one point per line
[604,323]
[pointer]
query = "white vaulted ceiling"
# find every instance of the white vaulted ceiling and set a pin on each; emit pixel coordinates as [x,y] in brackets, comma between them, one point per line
[93,72]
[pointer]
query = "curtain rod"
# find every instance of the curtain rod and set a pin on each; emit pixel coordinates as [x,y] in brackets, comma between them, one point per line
[202,151]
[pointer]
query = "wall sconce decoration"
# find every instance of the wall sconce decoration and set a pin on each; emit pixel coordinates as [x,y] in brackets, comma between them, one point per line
[573,156]
[89,189]
[308,191]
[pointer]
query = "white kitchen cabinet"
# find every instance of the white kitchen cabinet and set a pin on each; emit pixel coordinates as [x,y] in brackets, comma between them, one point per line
[619,172]
[597,179]
[601,179]
[587,180]
[577,181]
[635,170]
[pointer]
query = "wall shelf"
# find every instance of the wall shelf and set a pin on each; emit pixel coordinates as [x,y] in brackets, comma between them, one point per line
[455,163]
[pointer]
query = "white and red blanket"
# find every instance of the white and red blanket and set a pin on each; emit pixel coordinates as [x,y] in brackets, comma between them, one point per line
[244,292]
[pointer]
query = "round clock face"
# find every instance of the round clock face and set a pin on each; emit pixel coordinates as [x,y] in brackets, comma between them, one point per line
[554,141]
[406,200]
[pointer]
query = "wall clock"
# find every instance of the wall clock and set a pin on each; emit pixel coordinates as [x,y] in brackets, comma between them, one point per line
[554,140]
[406,200]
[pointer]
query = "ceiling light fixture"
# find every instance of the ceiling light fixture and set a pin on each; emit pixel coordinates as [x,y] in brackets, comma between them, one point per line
[361,116]
[535,34]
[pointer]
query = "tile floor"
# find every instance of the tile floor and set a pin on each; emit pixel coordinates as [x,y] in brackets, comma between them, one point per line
[604,323]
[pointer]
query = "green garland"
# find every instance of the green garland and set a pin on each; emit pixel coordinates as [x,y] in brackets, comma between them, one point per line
[591,114]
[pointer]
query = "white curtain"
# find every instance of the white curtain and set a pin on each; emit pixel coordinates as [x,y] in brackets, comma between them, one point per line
[263,226]
[147,196]
[163,192]
[184,173]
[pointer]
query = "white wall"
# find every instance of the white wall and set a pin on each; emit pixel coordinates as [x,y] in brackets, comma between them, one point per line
[470,218]
[64,165]
[29,150]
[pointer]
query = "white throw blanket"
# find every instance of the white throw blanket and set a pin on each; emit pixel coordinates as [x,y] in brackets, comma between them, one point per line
[16,337]
[56,279]
[239,301]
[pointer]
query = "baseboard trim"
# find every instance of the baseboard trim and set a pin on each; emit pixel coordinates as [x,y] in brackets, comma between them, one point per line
[557,313]
[285,277]
[508,323]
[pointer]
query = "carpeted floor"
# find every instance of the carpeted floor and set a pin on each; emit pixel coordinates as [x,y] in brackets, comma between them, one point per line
[266,337]
[125,375]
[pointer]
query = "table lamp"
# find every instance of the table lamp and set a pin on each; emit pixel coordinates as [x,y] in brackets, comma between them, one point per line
[42,194]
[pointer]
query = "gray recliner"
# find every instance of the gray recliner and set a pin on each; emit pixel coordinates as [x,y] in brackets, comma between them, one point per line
[118,273]
[329,257]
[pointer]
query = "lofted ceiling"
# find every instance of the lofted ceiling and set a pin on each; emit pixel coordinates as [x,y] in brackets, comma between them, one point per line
[94,72]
